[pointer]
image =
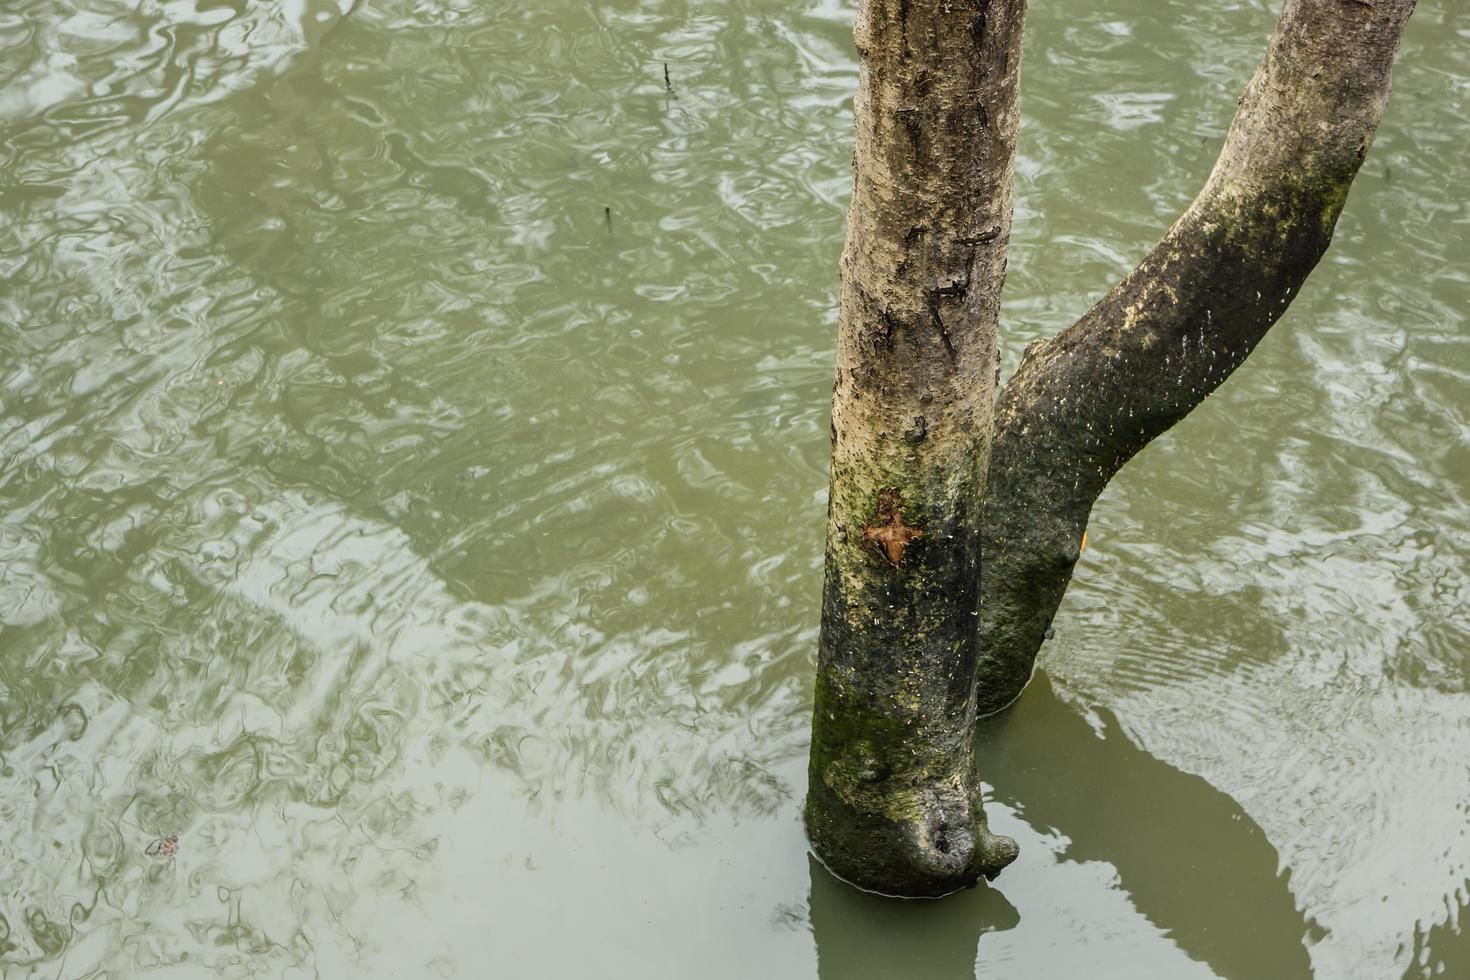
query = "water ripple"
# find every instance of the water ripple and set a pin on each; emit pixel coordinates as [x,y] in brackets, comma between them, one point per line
[412,466]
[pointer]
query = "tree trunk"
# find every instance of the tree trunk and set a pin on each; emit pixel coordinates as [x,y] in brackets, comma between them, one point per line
[1083,403]
[894,798]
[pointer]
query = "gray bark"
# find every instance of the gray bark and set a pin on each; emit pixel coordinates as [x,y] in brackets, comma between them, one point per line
[1082,404]
[894,798]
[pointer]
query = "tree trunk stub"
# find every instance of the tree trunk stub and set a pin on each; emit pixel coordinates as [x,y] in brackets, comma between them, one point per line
[1082,404]
[894,800]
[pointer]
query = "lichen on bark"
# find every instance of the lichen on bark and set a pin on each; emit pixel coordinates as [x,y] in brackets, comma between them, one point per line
[894,799]
[1083,403]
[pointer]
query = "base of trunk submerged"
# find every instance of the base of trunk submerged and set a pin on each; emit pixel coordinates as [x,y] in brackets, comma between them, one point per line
[941,846]
[893,802]
[894,799]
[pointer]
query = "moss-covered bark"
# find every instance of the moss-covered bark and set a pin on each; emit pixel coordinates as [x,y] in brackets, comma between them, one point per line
[894,799]
[1083,403]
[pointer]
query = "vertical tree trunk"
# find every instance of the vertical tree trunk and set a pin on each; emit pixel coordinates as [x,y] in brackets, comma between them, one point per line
[1083,403]
[894,798]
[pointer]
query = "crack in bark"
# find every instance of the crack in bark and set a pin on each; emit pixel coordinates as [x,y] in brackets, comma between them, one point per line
[944,338]
[977,26]
[913,125]
[983,238]
[884,341]
[956,288]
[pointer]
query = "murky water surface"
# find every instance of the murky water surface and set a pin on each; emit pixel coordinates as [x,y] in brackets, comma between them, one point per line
[412,465]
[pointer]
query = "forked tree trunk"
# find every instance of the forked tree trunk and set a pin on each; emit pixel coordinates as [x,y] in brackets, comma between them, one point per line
[1083,403]
[894,799]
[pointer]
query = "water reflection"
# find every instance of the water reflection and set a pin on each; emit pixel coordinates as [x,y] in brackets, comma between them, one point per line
[862,936]
[1187,855]
[441,565]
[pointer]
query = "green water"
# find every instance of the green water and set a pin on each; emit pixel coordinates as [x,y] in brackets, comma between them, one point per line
[412,474]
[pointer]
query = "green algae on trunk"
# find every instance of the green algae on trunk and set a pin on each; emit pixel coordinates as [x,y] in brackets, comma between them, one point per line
[894,798]
[1083,403]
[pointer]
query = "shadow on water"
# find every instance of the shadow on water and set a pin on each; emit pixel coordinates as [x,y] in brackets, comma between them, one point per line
[859,935]
[1190,858]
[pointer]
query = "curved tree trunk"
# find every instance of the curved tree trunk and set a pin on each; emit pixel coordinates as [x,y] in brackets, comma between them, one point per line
[1083,403]
[894,798]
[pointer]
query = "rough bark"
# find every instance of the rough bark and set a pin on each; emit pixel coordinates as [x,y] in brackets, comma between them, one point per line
[894,798]
[1083,403]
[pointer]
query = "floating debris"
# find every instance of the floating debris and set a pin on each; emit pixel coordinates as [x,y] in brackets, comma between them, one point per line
[163,847]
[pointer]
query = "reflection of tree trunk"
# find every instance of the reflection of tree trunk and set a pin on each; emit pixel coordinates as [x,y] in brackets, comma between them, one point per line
[1441,949]
[1165,831]
[894,801]
[1083,403]
[866,937]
